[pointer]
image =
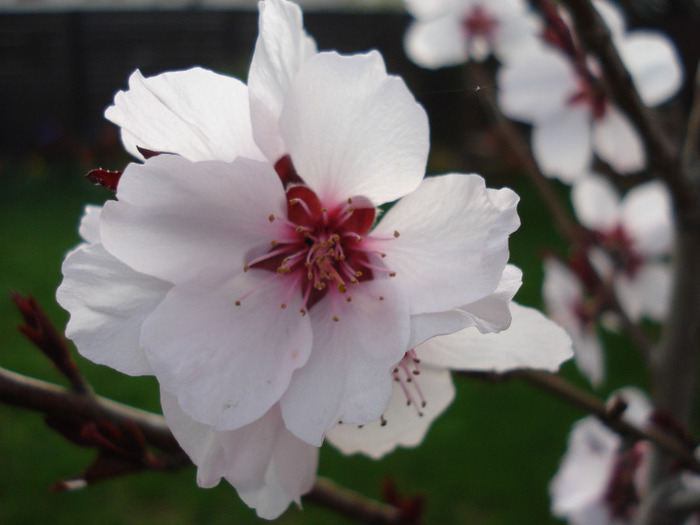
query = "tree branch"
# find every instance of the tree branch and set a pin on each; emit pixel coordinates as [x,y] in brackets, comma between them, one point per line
[50,399]
[595,36]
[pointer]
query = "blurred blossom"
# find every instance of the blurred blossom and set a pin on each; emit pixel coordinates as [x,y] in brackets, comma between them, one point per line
[451,32]
[566,299]
[558,90]
[243,264]
[634,235]
[602,478]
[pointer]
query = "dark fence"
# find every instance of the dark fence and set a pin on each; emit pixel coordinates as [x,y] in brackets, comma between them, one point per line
[59,71]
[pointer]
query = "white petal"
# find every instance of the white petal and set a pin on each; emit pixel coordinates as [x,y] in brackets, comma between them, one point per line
[563,294]
[654,65]
[404,427]
[561,144]
[176,219]
[647,293]
[596,203]
[534,88]
[347,377]
[453,242]
[280,50]
[195,113]
[437,43]
[352,130]
[227,364]
[425,326]
[647,218]
[90,224]
[518,35]
[491,314]
[584,472]
[427,9]
[532,341]
[249,458]
[617,142]
[108,302]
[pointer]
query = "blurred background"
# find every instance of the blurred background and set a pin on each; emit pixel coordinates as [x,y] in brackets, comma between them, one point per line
[487,460]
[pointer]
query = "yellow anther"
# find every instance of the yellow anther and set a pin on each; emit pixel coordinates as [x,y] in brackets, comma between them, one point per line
[271,218]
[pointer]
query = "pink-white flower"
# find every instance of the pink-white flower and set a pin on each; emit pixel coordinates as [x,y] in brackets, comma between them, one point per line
[602,479]
[244,266]
[568,303]
[635,233]
[599,481]
[558,91]
[451,32]
[423,386]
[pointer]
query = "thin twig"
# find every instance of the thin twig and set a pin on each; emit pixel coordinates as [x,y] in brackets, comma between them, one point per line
[575,234]
[48,398]
[596,38]
[563,389]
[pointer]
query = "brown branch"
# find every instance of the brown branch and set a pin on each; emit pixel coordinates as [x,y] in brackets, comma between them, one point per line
[47,398]
[610,414]
[576,235]
[354,505]
[595,36]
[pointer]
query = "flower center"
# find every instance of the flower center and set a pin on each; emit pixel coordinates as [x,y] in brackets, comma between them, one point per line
[321,249]
[591,95]
[479,23]
[618,245]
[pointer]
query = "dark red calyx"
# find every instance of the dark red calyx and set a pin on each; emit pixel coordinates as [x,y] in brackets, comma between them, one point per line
[479,23]
[105,178]
[285,169]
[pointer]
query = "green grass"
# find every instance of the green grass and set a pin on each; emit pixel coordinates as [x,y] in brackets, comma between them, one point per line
[486,461]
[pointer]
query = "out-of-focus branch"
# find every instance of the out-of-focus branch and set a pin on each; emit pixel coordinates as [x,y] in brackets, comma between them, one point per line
[50,399]
[596,38]
[576,235]
[608,413]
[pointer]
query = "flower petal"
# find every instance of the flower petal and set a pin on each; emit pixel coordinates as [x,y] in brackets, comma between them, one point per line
[403,426]
[347,377]
[450,251]
[647,293]
[353,130]
[436,43]
[108,302]
[90,224]
[596,203]
[616,141]
[654,65]
[227,364]
[532,341]
[176,219]
[561,144]
[585,469]
[492,313]
[646,213]
[196,113]
[536,87]
[563,294]
[280,50]
[249,458]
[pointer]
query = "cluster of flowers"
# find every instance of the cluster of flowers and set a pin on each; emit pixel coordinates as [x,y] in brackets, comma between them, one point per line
[243,264]
[547,80]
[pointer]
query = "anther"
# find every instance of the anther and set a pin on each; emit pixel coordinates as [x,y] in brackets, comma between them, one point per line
[348,298]
[302,312]
[335,318]
[237,303]
[392,274]
[274,244]
[271,218]
[382,420]
[396,234]
[283,306]
[342,288]
[246,268]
